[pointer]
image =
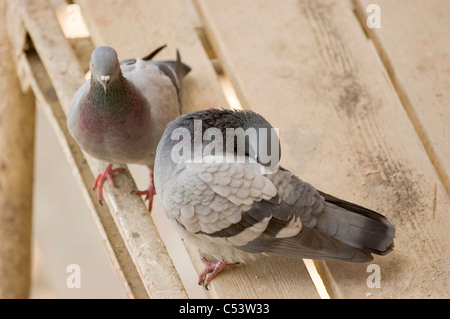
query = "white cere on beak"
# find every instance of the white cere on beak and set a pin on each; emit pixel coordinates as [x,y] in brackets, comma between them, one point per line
[105,78]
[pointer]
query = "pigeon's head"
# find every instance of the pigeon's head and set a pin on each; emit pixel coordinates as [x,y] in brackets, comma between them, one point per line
[241,133]
[105,66]
[261,139]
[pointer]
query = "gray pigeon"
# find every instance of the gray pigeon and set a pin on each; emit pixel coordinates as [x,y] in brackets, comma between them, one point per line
[233,207]
[119,115]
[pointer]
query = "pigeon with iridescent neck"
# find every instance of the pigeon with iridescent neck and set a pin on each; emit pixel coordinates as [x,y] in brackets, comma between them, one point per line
[119,115]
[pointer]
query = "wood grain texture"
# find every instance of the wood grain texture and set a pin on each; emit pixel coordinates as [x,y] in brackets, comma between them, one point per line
[17,123]
[109,23]
[415,47]
[308,68]
[154,266]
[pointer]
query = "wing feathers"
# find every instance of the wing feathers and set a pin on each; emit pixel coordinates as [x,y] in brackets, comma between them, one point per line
[277,214]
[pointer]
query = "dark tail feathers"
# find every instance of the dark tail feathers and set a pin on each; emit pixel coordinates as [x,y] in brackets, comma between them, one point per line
[367,230]
[180,68]
[154,53]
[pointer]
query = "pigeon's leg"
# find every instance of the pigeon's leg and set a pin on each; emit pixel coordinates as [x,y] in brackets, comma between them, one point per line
[149,193]
[105,175]
[211,270]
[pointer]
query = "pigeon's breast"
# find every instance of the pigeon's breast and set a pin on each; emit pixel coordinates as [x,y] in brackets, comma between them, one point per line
[117,133]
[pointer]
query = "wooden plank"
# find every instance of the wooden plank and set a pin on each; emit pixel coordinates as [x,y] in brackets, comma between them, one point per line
[109,23]
[414,44]
[16,172]
[309,69]
[129,213]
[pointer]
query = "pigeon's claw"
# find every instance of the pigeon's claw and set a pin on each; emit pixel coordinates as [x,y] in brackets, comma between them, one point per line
[212,270]
[106,174]
[149,193]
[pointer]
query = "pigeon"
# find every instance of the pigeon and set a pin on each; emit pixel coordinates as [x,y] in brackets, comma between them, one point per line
[223,193]
[119,115]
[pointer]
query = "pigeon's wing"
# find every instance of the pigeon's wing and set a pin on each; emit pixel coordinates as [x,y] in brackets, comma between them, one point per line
[176,70]
[207,198]
[234,204]
[159,88]
[332,228]
[157,78]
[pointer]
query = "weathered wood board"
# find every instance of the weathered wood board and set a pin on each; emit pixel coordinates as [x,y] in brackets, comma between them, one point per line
[136,30]
[17,123]
[308,67]
[414,43]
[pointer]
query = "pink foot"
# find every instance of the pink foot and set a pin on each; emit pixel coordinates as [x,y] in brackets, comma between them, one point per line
[211,270]
[106,174]
[149,193]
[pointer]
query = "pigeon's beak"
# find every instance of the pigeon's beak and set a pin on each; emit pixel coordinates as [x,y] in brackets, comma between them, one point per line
[105,80]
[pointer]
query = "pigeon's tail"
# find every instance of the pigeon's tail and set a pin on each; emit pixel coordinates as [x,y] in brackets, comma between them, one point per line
[154,53]
[149,57]
[359,227]
[181,69]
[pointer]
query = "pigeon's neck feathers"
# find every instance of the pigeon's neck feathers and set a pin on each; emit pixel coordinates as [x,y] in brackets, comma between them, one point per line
[117,93]
[223,119]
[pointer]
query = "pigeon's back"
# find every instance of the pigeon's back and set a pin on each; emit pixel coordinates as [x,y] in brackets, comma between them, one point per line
[161,85]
